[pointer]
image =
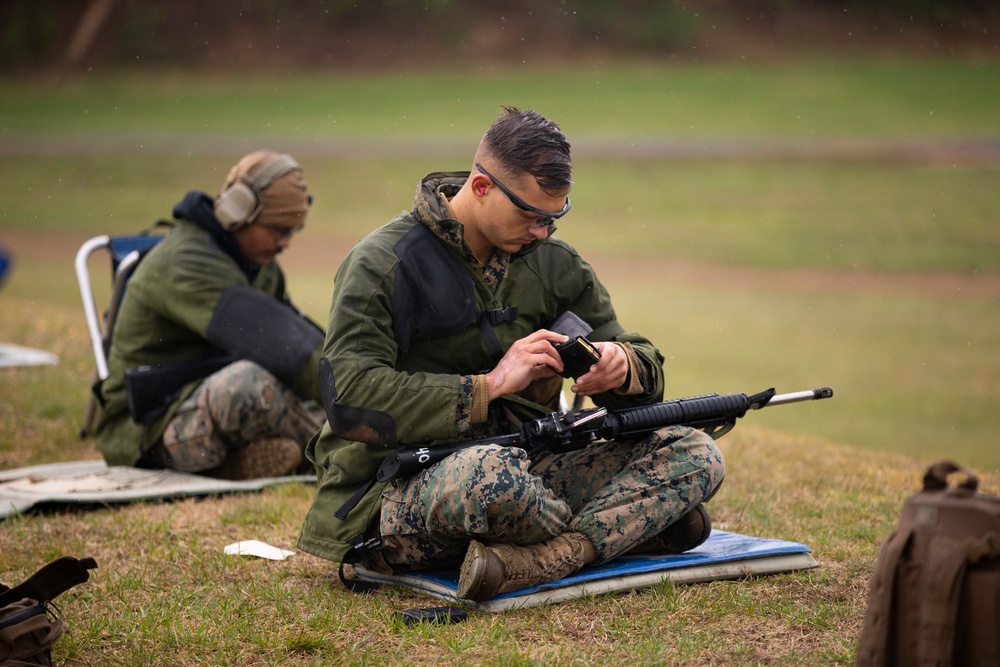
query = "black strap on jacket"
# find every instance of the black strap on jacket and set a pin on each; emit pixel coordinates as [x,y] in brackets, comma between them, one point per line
[434,293]
[361,548]
[489,319]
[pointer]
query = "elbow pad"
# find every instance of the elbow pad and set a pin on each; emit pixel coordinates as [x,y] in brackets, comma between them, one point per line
[256,326]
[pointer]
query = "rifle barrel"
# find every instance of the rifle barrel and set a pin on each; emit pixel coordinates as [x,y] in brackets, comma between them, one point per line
[798,396]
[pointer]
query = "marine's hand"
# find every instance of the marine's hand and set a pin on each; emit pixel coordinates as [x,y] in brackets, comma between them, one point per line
[608,373]
[529,359]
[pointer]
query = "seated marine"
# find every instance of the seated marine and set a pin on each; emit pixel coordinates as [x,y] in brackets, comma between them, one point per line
[212,370]
[443,328]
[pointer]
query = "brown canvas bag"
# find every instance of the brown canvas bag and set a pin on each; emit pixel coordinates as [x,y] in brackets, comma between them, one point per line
[29,622]
[28,630]
[934,597]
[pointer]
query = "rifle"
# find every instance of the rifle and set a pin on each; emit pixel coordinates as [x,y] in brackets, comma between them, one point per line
[151,389]
[564,432]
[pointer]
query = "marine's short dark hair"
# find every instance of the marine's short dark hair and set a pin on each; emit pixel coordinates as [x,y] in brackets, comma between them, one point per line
[527,142]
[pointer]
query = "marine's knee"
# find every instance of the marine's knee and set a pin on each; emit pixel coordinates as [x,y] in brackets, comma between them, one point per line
[234,372]
[704,452]
[247,380]
[242,391]
[488,464]
[190,446]
[497,476]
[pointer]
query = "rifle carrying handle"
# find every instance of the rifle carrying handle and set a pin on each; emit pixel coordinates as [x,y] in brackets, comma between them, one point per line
[936,477]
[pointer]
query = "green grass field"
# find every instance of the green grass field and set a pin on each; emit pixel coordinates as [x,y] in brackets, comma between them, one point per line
[763,224]
[805,98]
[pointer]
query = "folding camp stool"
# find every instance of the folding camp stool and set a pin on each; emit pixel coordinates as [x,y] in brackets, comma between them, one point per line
[5,262]
[125,253]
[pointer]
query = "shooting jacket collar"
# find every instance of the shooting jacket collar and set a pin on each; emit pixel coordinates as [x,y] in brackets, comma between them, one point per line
[431,208]
[197,207]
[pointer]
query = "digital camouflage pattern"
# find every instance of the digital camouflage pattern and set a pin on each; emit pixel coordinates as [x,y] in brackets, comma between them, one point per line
[618,494]
[231,408]
[452,233]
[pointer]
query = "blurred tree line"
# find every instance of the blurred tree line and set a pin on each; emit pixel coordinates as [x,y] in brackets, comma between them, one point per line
[41,34]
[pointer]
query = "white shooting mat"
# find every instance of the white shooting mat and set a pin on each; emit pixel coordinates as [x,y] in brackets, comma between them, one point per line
[86,482]
[16,355]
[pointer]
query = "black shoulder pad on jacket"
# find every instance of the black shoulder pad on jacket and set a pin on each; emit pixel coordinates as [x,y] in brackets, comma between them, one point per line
[432,290]
[256,326]
[373,427]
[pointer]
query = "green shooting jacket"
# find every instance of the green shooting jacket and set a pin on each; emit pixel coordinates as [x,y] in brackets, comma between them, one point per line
[163,319]
[424,385]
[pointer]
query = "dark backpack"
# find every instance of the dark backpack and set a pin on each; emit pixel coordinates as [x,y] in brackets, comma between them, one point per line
[935,589]
[29,623]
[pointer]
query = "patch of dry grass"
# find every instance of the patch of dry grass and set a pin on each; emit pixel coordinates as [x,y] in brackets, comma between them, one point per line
[166,594]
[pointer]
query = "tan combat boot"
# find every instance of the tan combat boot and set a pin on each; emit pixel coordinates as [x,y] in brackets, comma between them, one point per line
[685,534]
[273,457]
[500,568]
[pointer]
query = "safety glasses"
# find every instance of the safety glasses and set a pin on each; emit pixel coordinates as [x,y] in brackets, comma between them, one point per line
[284,232]
[546,217]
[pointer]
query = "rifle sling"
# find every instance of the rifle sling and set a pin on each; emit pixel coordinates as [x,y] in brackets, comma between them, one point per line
[352,502]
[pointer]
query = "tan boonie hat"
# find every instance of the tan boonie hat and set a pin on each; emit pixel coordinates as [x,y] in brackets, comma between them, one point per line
[284,202]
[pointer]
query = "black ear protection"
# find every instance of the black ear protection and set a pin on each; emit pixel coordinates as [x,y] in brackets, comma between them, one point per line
[240,200]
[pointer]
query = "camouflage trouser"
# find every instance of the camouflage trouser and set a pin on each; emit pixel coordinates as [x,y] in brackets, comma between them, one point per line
[618,494]
[241,403]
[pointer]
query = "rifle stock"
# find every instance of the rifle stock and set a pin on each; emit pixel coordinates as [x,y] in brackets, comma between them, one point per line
[151,389]
[715,414]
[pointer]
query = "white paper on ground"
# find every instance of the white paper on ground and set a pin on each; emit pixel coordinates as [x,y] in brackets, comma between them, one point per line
[257,548]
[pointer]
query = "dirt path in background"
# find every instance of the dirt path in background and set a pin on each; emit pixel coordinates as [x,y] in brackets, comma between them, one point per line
[323,255]
[326,256]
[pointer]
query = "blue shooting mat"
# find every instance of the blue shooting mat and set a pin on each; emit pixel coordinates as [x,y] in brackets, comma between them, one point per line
[723,556]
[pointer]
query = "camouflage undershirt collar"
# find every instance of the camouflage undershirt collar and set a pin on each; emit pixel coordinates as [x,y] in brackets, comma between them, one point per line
[444,225]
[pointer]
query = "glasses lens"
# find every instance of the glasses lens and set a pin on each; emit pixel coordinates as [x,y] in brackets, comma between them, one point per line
[548,216]
[284,232]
